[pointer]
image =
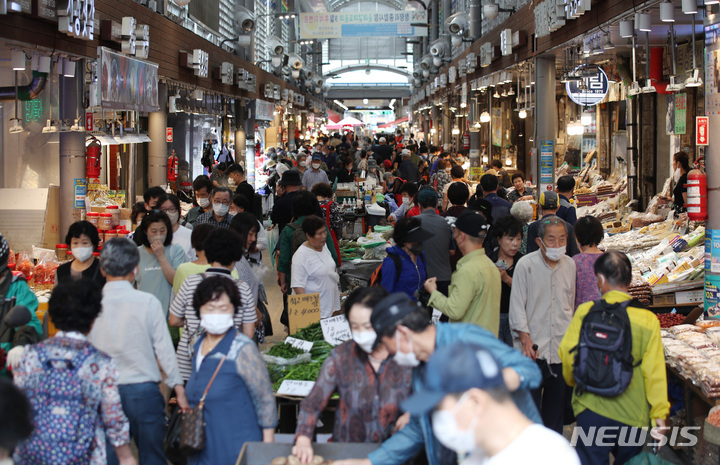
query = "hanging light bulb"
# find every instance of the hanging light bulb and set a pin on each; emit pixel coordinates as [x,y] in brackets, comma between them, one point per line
[455,131]
[522,114]
[477,125]
[485,117]
[586,118]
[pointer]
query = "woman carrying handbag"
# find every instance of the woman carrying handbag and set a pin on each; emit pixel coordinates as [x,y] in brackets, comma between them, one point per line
[229,378]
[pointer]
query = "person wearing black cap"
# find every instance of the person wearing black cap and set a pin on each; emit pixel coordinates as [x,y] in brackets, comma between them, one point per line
[404,327]
[405,267]
[315,175]
[282,210]
[472,412]
[475,288]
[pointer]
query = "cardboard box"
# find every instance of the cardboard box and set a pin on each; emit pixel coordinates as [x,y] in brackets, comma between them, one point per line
[260,453]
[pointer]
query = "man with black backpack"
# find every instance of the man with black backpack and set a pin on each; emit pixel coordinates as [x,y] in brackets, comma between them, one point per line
[612,354]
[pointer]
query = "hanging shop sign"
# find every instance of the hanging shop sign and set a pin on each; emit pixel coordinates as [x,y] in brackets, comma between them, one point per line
[680,114]
[546,164]
[506,44]
[497,126]
[76,18]
[591,89]
[126,83]
[368,24]
[701,130]
[487,54]
[198,60]
[264,111]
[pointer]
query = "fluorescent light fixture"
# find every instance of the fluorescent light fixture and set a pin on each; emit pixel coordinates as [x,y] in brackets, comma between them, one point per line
[626,29]
[18,60]
[69,68]
[689,7]
[667,12]
[643,22]
[338,103]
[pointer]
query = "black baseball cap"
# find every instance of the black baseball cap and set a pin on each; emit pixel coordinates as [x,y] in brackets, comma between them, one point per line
[290,178]
[454,369]
[472,223]
[389,311]
[418,234]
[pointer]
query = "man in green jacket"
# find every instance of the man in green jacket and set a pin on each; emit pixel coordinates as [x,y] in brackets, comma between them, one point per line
[475,286]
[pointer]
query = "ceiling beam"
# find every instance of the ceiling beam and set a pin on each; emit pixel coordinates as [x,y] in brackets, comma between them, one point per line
[371,66]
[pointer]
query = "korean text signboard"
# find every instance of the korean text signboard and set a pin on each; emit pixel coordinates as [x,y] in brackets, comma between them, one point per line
[362,24]
[591,89]
[303,310]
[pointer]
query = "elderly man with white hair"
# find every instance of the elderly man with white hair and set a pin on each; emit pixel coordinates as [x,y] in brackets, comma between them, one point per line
[523,211]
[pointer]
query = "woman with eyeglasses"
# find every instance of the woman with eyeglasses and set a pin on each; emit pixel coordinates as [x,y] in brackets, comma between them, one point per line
[170,205]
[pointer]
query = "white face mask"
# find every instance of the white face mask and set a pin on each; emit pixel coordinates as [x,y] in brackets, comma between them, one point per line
[449,434]
[316,166]
[677,175]
[447,170]
[365,339]
[82,253]
[174,217]
[220,209]
[160,239]
[406,200]
[554,253]
[216,323]
[303,164]
[203,202]
[405,359]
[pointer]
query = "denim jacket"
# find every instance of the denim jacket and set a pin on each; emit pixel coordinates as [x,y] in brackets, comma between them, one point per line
[404,444]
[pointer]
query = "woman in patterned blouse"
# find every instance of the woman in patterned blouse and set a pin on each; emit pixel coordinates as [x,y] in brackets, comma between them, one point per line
[73,308]
[370,384]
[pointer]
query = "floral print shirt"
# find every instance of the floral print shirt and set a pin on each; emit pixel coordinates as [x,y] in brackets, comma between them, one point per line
[99,374]
[369,401]
[586,289]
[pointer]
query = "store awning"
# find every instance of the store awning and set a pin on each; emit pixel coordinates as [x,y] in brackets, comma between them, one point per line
[393,123]
[105,139]
[333,117]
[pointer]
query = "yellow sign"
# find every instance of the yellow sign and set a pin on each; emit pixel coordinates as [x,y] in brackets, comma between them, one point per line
[303,310]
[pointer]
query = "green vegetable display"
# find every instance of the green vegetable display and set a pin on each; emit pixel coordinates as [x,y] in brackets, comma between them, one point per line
[308,371]
[285,350]
[312,333]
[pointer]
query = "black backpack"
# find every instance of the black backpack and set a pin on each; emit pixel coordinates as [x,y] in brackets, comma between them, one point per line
[603,360]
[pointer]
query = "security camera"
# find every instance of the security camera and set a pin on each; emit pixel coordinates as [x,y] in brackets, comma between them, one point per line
[275,46]
[491,10]
[426,62]
[244,21]
[457,24]
[295,61]
[438,48]
[416,74]
[318,81]
[308,74]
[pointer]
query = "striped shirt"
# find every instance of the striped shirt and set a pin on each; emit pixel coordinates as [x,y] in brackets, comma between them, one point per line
[182,307]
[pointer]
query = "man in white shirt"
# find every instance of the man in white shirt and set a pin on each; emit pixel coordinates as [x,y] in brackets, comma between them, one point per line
[475,414]
[542,302]
[132,329]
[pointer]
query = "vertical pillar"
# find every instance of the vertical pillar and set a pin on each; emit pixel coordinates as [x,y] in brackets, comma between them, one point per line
[545,121]
[240,134]
[250,146]
[72,147]
[158,147]
[475,151]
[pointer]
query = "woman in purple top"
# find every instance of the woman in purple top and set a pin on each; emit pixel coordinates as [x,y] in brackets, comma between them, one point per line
[589,232]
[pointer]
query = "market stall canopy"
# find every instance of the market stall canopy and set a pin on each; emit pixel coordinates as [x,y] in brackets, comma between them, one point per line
[350,121]
[393,123]
[106,139]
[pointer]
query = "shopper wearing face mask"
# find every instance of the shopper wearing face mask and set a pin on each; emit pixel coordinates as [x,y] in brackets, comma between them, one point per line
[202,186]
[170,205]
[441,177]
[472,412]
[404,328]
[354,367]
[82,240]
[550,203]
[405,267]
[240,405]
[159,257]
[408,191]
[315,175]
[132,329]
[223,248]
[542,302]
[221,198]
[475,289]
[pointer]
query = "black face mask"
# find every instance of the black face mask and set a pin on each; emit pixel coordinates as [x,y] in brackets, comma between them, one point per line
[416,248]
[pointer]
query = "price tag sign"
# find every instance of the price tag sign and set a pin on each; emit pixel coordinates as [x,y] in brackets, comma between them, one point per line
[303,310]
[305,346]
[296,388]
[336,330]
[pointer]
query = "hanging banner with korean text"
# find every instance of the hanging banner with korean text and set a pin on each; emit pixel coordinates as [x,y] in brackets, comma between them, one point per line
[369,24]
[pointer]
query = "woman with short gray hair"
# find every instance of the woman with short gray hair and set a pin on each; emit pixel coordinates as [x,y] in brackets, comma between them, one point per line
[523,211]
[119,257]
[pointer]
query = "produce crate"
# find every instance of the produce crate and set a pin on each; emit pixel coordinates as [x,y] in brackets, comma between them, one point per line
[261,453]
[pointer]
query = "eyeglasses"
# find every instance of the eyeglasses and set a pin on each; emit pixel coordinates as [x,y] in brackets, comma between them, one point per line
[169,210]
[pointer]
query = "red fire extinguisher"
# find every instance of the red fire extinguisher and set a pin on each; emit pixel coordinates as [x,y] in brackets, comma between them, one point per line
[696,196]
[466,141]
[92,161]
[172,167]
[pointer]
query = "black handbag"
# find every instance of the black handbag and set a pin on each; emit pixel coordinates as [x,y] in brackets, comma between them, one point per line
[192,430]
[171,443]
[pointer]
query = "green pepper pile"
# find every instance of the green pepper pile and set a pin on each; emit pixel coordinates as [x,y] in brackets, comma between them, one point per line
[308,371]
[285,350]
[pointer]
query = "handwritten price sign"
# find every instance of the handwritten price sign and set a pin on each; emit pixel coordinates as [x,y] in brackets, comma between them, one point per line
[305,346]
[336,330]
[296,388]
[303,310]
